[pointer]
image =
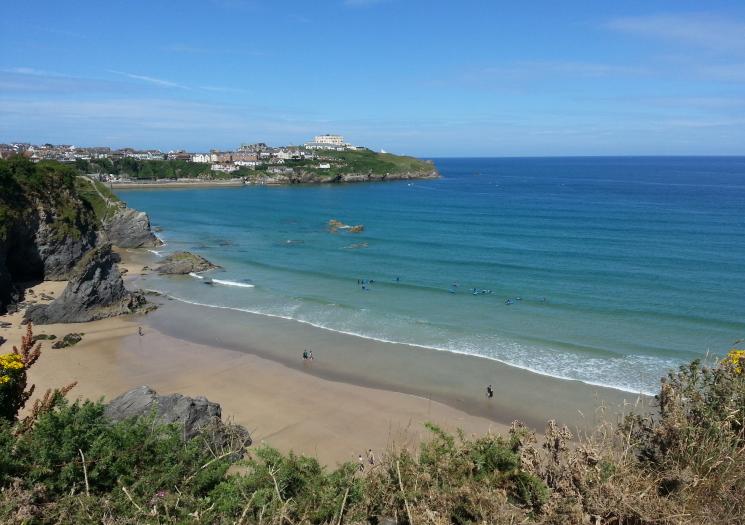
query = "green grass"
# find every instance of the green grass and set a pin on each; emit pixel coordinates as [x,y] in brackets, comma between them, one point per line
[87,192]
[360,162]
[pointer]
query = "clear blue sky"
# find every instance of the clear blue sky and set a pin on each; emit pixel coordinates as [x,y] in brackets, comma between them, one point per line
[430,78]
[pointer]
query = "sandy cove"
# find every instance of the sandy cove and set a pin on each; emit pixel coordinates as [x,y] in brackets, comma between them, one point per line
[322,407]
[286,408]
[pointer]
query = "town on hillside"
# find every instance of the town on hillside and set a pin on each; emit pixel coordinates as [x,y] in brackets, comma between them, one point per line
[250,156]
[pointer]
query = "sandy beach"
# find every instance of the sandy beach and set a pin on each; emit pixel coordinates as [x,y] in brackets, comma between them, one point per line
[175,184]
[355,395]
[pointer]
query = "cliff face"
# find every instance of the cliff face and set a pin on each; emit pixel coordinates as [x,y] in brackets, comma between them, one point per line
[305,177]
[129,228]
[47,224]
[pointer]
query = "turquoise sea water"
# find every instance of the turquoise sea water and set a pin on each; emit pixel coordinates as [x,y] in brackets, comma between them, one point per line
[624,267]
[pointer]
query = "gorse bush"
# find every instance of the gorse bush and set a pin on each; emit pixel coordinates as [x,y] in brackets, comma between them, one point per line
[13,376]
[680,463]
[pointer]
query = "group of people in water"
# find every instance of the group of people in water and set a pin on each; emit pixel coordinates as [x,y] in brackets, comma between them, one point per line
[365,283]
[307,355]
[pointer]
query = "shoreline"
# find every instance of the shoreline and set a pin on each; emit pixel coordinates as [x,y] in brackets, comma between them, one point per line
[456,380]
[176,184]
[356,394]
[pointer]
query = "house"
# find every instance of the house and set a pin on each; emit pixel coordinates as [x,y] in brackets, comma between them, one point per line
[225,168]
[279,170]
[205,158]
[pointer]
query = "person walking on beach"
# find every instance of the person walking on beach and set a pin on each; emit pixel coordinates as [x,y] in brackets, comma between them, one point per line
[305,355]
[139,331]
[362,463]
[310,355]
[489,392]
[370,457]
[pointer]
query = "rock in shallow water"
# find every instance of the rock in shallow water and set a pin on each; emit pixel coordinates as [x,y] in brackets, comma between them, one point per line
[181,263]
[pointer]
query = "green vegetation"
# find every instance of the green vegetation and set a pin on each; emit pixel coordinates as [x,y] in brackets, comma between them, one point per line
[155,169]
[25,185]
[65,463]
[98,196]
[360,162]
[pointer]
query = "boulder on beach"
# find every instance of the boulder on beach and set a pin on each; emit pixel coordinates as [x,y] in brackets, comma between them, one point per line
[95,291]
[195,414]
[181,263]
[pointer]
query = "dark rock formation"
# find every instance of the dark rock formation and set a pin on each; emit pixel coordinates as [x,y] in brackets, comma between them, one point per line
[36,247]
[129,228]
[195,414]
[334,226]
[181,263]
[68,340]
[95,291]
[299,176]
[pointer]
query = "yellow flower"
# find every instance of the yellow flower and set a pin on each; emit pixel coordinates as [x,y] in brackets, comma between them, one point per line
[11,362]
[4,379]
[736,359]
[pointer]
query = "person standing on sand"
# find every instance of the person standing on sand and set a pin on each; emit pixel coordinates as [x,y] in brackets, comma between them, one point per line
[305,354]
[370,457]
[139,331]
[489,392]
[310,355]
[362,463]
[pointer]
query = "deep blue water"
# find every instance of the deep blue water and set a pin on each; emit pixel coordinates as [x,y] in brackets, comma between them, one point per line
[624,267]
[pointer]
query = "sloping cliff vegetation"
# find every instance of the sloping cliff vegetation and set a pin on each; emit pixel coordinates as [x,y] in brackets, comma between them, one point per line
[680,461]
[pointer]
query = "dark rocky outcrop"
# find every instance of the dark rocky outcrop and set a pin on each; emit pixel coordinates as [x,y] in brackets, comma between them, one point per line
[38,246]
[300,176]
[129,228]
[95,291]
[49,222]
[194,414]
[68,340]
[334,226]
[181,263]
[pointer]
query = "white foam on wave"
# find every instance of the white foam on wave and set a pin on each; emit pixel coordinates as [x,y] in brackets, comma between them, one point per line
[156,252]
[622,387]
[232,283]
[195,275]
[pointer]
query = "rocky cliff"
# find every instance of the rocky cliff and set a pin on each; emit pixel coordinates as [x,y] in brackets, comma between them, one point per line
[299,176]
[45,227]
[50,218]
[129,228]
[95,291]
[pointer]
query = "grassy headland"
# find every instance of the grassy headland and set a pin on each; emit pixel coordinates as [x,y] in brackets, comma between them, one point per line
[327,166]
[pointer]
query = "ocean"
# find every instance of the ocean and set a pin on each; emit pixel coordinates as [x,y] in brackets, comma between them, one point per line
[610,271]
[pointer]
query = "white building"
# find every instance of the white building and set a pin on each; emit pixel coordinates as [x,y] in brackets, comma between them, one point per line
[227,168]
[248,163]
[331,140]
[207,158]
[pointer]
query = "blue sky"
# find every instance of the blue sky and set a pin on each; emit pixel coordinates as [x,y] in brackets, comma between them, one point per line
[428,78]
